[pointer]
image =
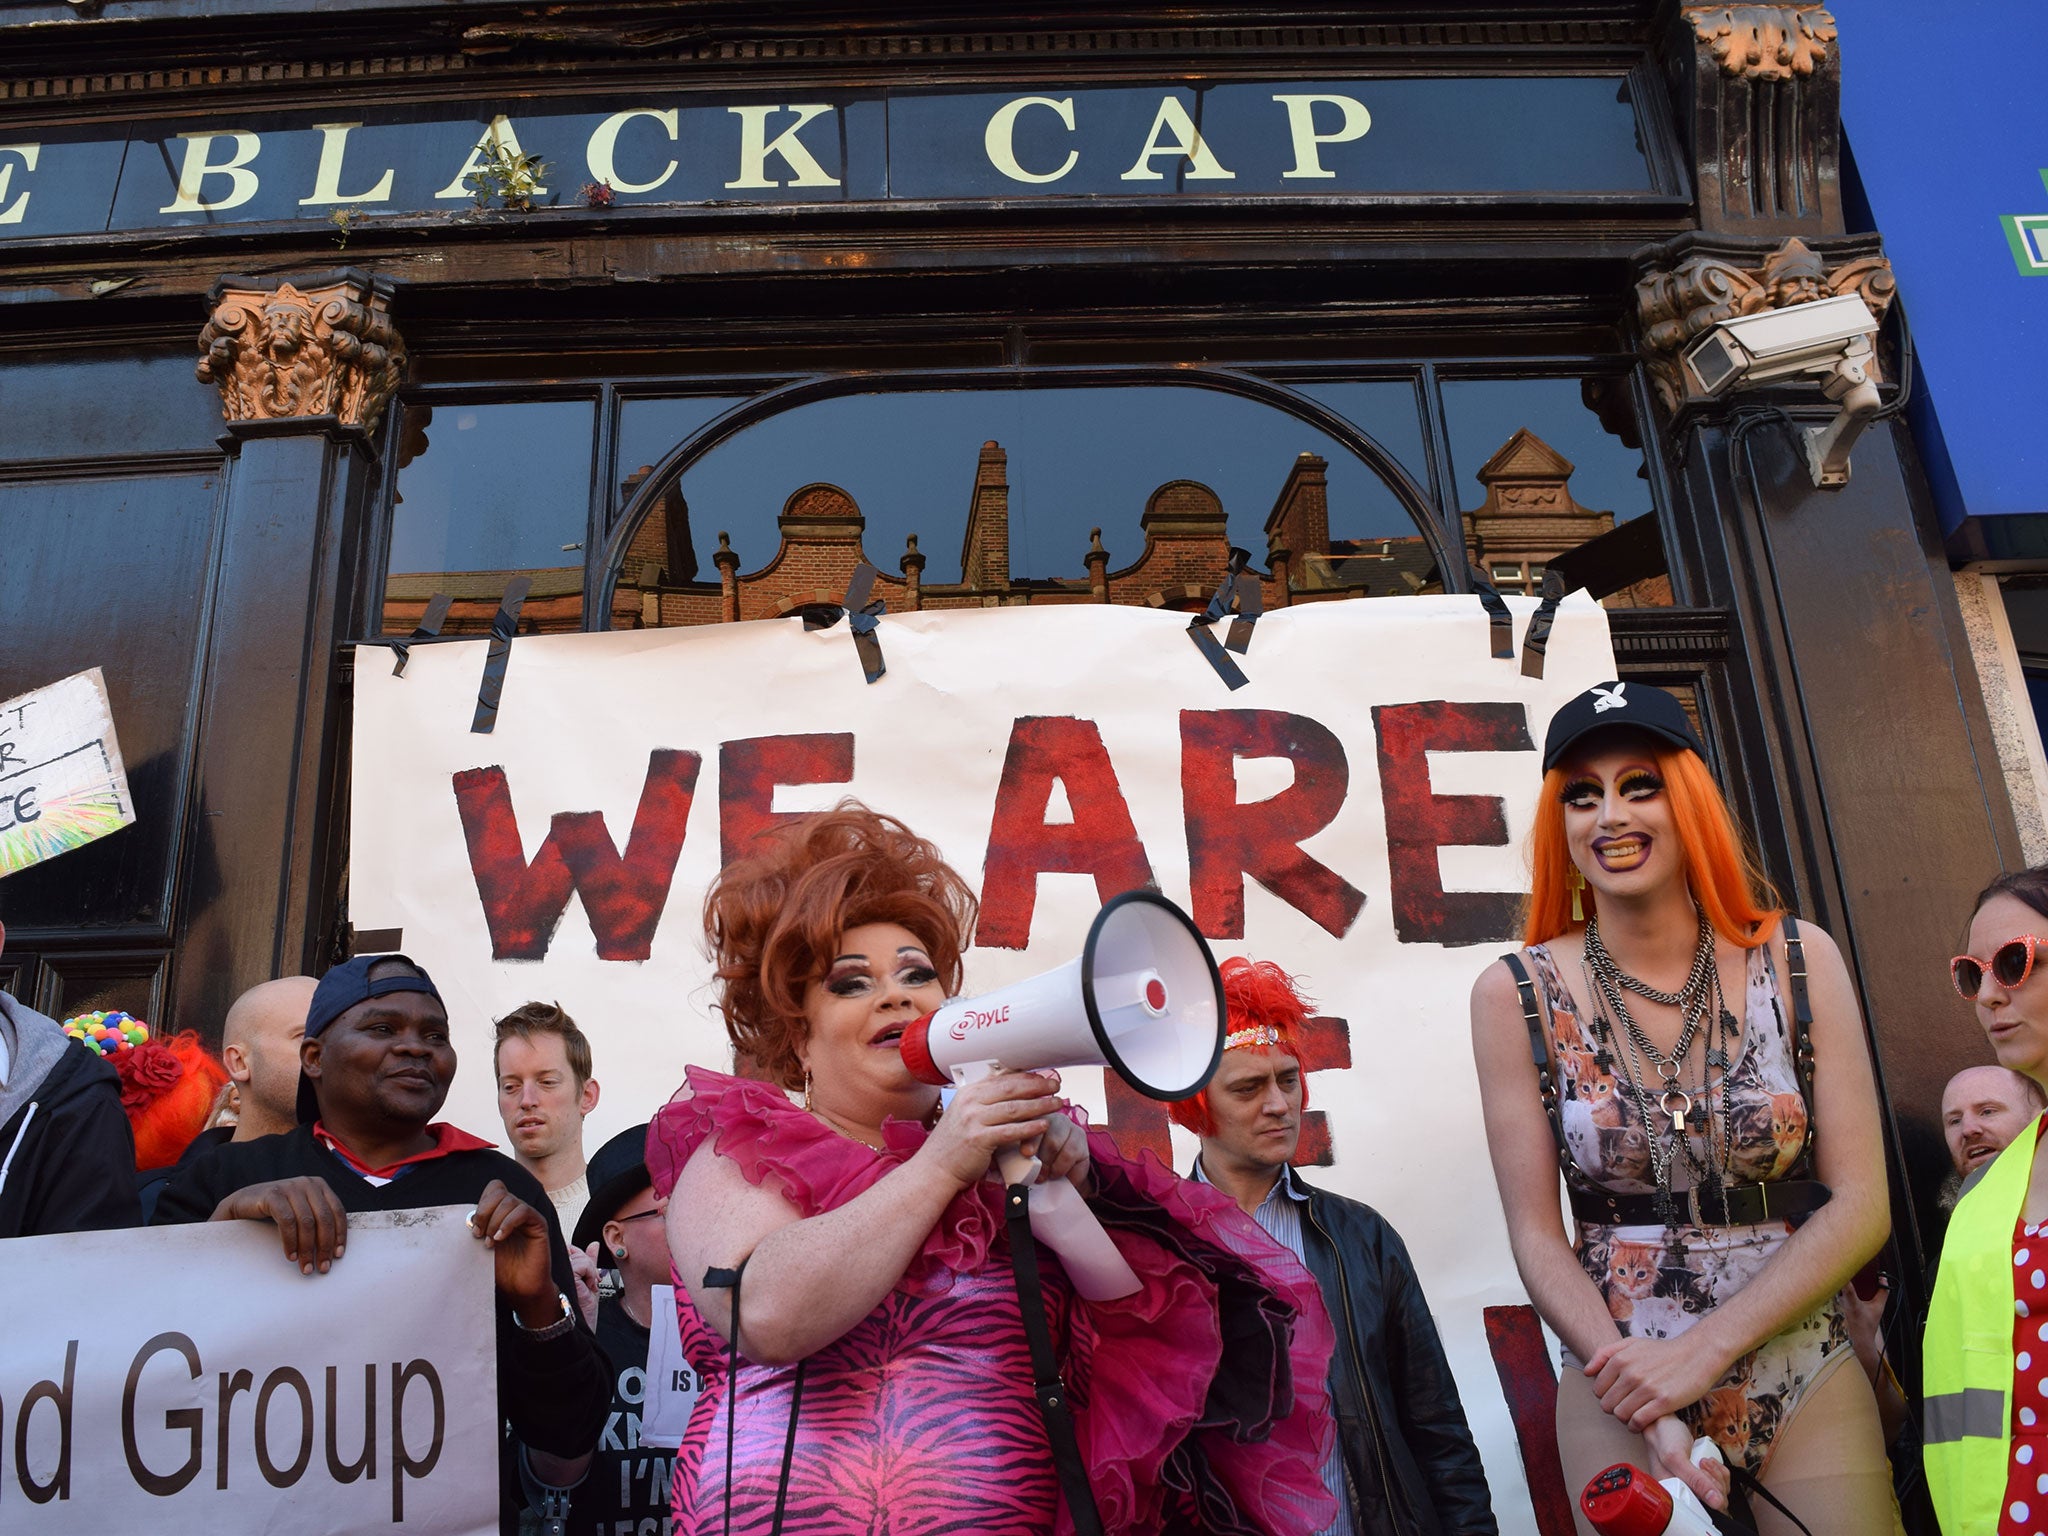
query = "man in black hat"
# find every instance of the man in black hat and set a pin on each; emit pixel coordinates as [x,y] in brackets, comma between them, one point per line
[624,1486]
[375,1067]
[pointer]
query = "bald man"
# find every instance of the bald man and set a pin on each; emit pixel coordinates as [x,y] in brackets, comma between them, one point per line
[1982,1110]
[260,1045]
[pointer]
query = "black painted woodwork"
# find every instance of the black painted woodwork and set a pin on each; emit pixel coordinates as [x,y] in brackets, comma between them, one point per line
[267,802]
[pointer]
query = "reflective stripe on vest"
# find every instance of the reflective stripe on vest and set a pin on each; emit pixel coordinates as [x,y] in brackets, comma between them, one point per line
[1967,1349]
[1972,1411]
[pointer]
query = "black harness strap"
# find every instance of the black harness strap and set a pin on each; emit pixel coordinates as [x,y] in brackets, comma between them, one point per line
[1802,1025]
[1046,1385]
[729,1279]
[1539,1052]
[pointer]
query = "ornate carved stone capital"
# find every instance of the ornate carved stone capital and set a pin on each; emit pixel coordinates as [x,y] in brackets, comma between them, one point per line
[1764,42]
[1758,90]
[1688,285]
[277,350]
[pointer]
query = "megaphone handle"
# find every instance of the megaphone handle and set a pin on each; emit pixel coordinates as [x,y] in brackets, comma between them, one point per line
[1019,1161]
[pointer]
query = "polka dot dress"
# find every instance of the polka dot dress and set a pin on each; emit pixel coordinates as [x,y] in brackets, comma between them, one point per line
[2026,1482]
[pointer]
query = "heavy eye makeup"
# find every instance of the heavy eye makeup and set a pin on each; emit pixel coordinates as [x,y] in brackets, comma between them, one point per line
[1640,784]
[1581,794]
[851,976]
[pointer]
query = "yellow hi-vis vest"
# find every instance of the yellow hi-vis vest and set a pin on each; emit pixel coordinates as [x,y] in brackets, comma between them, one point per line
[1967,1350]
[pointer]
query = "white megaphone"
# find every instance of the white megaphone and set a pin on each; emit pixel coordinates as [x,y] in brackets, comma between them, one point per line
[1143,999]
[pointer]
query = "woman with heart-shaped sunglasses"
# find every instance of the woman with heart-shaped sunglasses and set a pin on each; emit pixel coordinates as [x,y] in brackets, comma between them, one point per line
[1986,1347]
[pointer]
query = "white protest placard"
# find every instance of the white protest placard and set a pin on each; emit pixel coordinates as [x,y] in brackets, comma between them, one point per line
[1356,812]
[61,780]
[364,1399]
[672,1382]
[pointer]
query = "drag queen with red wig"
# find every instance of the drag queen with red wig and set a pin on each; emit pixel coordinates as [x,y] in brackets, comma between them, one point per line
[880,1380]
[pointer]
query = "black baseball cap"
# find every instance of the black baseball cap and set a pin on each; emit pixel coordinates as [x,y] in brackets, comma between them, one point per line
[342,988]
[617,1172]
[1642,706]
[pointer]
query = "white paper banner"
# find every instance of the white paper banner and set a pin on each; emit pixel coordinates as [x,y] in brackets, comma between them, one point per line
[265,1400]
[1356,813]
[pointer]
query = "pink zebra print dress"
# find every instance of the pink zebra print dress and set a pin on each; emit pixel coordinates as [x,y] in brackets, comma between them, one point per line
[1200,1401]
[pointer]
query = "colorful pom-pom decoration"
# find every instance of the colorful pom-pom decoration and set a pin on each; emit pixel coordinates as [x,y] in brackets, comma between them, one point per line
[107,1034]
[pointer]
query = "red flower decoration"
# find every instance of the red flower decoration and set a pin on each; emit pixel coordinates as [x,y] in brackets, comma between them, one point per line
[147,1072]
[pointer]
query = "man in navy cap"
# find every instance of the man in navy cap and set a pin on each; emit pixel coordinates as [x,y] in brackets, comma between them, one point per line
[375,1066]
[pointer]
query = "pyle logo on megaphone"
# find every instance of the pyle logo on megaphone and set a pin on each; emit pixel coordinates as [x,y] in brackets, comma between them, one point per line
[1142,998]
[977,1018]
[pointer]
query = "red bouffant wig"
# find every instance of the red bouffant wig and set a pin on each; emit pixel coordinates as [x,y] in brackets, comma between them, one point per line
[1720,866]
[776,914]
[168,1089]
[1256,994]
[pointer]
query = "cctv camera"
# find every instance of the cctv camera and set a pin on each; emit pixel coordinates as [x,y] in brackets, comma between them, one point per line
[1831,337]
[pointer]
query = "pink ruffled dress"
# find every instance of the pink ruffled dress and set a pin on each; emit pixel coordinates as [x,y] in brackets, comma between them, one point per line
[1200,1401]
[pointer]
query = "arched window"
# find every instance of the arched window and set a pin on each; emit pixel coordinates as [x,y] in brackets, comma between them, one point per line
[1077,490]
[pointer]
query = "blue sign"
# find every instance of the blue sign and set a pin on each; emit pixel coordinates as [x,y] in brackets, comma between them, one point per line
[1945,130]
[1474,139]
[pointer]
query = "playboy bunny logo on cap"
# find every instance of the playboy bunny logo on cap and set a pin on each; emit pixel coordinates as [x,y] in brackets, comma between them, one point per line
[1640,706]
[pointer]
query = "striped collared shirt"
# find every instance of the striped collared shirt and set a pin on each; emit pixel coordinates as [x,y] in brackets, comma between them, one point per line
[1280,1213]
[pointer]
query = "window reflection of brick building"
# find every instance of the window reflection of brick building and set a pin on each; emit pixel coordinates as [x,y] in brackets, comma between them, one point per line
[1528,518]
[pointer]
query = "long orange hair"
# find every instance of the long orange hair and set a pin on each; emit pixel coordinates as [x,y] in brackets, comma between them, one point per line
[1720,865]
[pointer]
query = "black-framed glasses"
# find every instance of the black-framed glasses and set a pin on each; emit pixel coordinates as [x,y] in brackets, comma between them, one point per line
[2010,965]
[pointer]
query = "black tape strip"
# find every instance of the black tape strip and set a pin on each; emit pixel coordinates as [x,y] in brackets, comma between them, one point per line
[1251,607]
[1205,642]
[503,628]
[1503,622]
[1228,600]
[863,619]
[1537,639]
[429,626]
[375,941]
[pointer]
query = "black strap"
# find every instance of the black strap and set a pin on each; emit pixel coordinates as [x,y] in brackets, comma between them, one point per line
[1239,598]
[1046,1385]
[729,1279]
[1725,1205]
[796,1402]
[1747,1482]
[720,1280]
[1539,1052]
[1802,1027]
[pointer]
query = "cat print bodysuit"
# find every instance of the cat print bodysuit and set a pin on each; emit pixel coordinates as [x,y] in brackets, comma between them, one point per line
[1658,1281]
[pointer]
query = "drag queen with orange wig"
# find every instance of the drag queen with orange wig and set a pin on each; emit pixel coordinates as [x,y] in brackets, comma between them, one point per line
[1695,1060]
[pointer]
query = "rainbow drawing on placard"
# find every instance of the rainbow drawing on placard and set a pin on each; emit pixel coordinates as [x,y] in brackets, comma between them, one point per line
[69,821]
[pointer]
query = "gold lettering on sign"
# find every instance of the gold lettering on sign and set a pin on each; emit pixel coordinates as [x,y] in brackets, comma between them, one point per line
[502,134]
[1301,125]
[1187,143]
[327,179]
[199,164]
[756,147]
[605,142]
[1000,138]
[16,211]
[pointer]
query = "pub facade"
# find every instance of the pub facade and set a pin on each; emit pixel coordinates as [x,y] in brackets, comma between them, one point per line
[328,326]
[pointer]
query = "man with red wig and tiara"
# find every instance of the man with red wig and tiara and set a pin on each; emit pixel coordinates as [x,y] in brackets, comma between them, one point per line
[1404,1463]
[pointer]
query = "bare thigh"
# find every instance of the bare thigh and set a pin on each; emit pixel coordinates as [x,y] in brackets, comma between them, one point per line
[1590,1440]
[1827,1464]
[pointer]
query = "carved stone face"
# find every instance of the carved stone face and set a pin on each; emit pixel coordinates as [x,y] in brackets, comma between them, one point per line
[285,328]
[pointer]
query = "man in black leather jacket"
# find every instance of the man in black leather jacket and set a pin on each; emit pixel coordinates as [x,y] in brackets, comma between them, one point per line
[1406,1464]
